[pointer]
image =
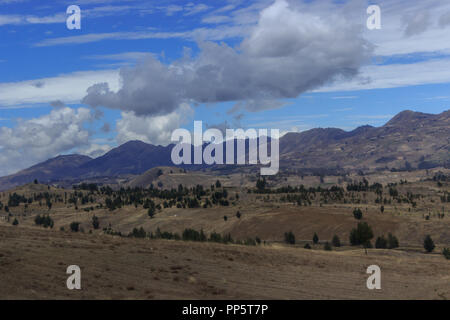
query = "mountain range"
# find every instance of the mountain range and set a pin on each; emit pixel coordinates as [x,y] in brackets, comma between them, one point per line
[409,141]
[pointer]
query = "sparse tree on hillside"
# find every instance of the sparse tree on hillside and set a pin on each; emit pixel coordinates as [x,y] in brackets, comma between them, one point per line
[381,243]
[315,238]
[75,226]
[357,213]
[336,241]
[392,241]
[95,222]
[446,253]
[361,235]
[289,237]
[428,244]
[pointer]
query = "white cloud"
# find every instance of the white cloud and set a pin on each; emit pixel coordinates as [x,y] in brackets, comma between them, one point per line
[277,60]
[395,75]
[38,139]
[69,88]
[156,130]
[94,150]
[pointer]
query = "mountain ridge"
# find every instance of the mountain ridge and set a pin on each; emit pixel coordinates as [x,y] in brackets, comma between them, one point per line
[410,140]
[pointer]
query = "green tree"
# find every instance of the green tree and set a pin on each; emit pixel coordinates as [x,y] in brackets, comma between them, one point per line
[315,238]
[336,241]
[361,235]
[446,253]
[428,243]
[15,222]
[392,241]
[381,243]
[289,237]
[261,184]
[95,222]
[357,213]
[75,226]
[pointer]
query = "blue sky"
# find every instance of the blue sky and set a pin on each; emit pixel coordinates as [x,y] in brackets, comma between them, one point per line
[287,64]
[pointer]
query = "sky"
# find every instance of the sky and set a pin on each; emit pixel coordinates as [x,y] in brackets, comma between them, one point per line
[137,70]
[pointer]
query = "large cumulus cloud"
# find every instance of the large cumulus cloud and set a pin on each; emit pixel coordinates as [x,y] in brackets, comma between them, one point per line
[287,53]
[38,139]
[152,129]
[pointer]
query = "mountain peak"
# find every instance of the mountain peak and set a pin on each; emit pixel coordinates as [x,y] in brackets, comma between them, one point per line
[409,116]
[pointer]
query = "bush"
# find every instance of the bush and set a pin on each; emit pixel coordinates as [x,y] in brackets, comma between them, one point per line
[307,246]
[44,221]
[315,238]
[193,235]
[446,253]
[138,233]
[381,243]
[357,213]
[327,246]
[289,237]
[392,241]
[428,244]
[361,235]
[215,237]
[238,215]
[95,222]
[336,241]
[75,226]
[15,222]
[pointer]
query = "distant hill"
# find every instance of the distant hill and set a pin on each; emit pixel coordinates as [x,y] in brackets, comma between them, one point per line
[133,157]
[410,140]
[58,168]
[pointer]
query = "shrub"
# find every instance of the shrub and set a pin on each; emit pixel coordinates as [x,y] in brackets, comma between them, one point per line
[381,243]
[215,237]
[357,213]
[95,222]
[193,235]
[138,233]
[75,226]
[336,241]
[327,246]
[315,238]
[446,253]
[44,221]
[307,246]
[392,241]
[238,215]
[289,237]
[361,235]
[428,244]
[15,222]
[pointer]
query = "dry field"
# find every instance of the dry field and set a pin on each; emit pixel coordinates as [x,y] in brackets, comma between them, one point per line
[33,264]
[33,260]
